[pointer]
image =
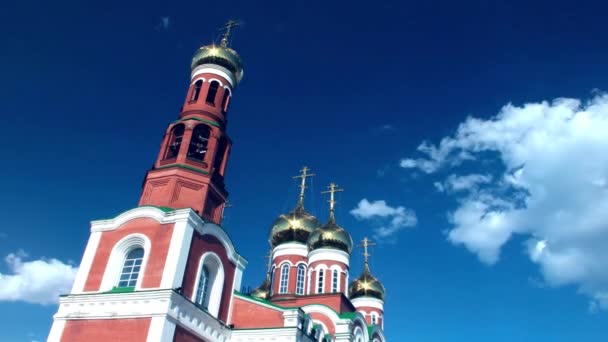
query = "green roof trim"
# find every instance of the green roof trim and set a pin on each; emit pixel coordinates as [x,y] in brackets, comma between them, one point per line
[183,166]
[164,209]
[116,289]
[263,301]
[198,119]
[348,315]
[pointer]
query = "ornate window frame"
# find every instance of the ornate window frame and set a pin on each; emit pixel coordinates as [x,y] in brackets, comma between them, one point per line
[117,259]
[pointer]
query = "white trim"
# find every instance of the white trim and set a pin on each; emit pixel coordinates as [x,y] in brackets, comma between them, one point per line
[338,273]
[217,279]
[281,263]
[218,81]
[194,80]
[284,266]
[228,89]
[56,330]
[86,263]
[177,256]
[194,221]
[289,249]
[369,302]
[166,304]
[161,330]
[214,69]
[326,254]
[319,270]
[117,259]
[236,286]
[303,280]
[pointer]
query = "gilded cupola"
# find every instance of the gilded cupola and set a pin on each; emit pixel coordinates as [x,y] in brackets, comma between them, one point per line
[297,225]
[221,55]
[263,291]
[331,235]
[366,285]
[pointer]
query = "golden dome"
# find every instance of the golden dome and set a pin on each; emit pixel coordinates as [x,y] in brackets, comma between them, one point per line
[331,236]
[219,55]
[366,285]
[295,226]
[263,291]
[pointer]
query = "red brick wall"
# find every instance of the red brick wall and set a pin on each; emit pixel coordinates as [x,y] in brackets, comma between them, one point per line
[116,330]
[183,335]
[336,301]
[293,272]
[250,315]
[201,245]
[368,314]
[160,238]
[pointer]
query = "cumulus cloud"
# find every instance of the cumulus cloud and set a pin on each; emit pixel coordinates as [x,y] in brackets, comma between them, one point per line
[37,281]
[389,220]
[550,186]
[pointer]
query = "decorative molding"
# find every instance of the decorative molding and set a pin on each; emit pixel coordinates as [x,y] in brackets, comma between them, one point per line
[288,249]
[325,254]
[368,302]
[86,263]
[215,70]
[166,304]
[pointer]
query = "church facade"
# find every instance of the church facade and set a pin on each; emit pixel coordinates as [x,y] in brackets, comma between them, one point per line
[167,270]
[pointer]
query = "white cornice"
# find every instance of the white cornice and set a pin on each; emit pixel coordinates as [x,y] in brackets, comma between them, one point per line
[291,248]
[159,303]
[215,70]
[368,302]
[325,254]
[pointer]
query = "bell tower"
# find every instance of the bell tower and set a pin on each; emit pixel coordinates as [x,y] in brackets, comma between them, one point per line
[190,168]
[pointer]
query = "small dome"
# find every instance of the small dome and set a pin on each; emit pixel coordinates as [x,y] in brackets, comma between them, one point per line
[295,226]
[332,236]
[220,55]
[263,291]
[366,285]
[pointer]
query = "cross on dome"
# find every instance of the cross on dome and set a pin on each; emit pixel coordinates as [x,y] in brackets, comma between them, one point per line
[303,175]
[227,31]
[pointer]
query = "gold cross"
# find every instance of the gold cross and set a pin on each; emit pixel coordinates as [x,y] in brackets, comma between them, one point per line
[226,205]
[365,244]
[333,188]
[227,28]
[303,174]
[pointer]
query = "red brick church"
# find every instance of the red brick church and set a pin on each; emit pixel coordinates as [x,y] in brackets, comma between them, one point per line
[167,270]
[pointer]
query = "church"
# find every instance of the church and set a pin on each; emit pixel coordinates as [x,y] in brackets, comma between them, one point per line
[167,270]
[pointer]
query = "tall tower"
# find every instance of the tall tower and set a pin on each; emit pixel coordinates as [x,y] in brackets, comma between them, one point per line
[190,168]
[166,270]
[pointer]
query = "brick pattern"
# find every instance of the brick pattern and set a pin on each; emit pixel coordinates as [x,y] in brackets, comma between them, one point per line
[116,330]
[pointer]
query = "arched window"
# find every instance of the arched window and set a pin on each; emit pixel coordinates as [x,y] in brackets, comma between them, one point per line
[131,268]
[212,92]
[209,283]
[334,281]
[197,90]
[320,281]
[374,318]
[198,144]
[284,279]
[300,279]
[202,290]
[225,100]
[175,141]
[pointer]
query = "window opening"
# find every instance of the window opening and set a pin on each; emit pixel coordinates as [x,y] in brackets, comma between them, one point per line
[131,268]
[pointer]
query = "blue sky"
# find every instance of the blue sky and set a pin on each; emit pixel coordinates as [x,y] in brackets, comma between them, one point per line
[510,229]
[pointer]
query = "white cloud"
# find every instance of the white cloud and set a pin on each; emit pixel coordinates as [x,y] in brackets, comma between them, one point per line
[37,281]
[551,187]
[390,219]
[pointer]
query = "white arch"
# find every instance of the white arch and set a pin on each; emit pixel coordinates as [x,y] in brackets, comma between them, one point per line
[216,279]
[194,80]
[117,259]
[358,334]
[218,80]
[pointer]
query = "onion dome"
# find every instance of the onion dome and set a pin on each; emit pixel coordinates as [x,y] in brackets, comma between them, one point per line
[263,291]
[331,235]
[295,226]
[366,285]
[220,55]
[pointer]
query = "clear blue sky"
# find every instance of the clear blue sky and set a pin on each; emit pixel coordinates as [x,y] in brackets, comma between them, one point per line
[349,89]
